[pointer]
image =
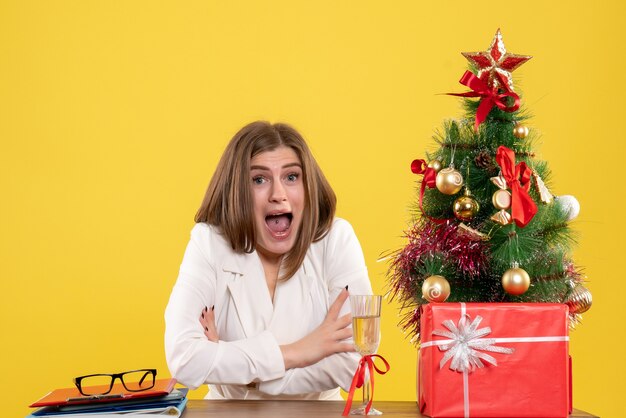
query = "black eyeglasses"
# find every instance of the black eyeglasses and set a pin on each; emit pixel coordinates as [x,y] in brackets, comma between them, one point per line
[101,384]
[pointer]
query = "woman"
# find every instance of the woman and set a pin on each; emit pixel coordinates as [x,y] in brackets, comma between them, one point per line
[259,309]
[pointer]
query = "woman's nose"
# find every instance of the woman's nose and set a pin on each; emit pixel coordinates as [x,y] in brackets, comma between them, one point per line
[278,193]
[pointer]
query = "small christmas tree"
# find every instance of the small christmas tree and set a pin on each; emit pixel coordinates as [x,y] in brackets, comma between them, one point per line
[487,228]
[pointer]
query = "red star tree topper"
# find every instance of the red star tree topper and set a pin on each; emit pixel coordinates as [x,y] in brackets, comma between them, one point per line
[495,64]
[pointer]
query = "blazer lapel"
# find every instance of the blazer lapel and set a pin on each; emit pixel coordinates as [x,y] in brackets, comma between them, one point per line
[249,293]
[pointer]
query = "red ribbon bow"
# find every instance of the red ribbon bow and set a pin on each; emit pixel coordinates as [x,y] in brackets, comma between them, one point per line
[517,177]
[489,97]
[430,175]
[366,363]
[429,180]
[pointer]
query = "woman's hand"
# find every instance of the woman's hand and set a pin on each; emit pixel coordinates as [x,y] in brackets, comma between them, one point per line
[323,341]
[207,320]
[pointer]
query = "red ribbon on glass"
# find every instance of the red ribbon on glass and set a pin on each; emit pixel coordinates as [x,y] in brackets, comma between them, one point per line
[366,363]
[489,97]
[517,177]
[429,180]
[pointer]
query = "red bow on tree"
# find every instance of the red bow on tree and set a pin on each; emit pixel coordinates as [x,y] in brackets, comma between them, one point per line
[366,363]
[430,175]
[489,97]
[429,180]
[517,177]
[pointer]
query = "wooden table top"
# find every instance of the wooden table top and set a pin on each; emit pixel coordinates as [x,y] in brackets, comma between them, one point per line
[300,409]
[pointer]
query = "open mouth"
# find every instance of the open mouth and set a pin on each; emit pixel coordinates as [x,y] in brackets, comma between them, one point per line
[279,223]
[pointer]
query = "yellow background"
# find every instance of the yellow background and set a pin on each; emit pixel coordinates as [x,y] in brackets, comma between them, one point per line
[113,115]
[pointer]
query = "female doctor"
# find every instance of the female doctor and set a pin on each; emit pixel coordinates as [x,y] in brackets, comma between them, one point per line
[259,310]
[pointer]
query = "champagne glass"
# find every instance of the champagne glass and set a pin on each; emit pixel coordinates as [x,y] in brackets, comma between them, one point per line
[366,335]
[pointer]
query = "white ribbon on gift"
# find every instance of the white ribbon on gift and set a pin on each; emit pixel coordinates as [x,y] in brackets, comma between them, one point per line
[466,347]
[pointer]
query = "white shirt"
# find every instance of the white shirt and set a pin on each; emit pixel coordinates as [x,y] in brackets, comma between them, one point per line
[251,328]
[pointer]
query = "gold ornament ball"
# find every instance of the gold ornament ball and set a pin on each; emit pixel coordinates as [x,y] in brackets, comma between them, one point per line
[465,208]
[436,289]
[520,131]
[515,281]
[449,181]
[579,301]
[435,165]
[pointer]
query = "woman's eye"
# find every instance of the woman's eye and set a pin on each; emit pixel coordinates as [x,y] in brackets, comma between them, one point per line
[292,177]
[258,180]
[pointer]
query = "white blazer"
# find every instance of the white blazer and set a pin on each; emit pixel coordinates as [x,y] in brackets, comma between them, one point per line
[247,362]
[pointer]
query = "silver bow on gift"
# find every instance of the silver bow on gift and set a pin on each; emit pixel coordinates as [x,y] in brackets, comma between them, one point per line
[467,345]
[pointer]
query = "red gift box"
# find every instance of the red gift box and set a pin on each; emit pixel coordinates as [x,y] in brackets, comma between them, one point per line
[509,360]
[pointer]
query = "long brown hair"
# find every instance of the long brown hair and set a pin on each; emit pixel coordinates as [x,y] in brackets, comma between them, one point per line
[228,204]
